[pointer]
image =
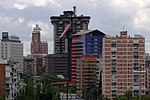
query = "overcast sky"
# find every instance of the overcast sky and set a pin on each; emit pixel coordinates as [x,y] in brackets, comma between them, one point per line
[18,17]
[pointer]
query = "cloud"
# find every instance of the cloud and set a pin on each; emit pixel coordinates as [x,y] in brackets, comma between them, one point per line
[44,26]
[20,16]
[22,4]
[5,19]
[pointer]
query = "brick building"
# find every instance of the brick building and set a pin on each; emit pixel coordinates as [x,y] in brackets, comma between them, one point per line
[38,50]
[123,65]
[86,73]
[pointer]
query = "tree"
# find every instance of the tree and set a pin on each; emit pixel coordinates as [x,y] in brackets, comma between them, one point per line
[2,97]
[102,97]
[122,97]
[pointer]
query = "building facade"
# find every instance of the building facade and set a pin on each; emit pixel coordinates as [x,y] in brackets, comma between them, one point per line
[56,64]
[10,79]
[85,42]
[11,48]
[38,46]
[147,66]
[86,73]
[59,24]
[28,65]
[123,65]
[2,77]
[38,50]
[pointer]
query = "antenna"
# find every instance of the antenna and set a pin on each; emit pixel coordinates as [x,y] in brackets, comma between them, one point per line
[123,27]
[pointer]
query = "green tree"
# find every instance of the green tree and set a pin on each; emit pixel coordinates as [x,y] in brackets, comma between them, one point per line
[122,97]
[2,97]
[145,97]
[102,97]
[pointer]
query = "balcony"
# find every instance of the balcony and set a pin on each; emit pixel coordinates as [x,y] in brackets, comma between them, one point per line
[113,80]
[9,81]
[113,57]
[113,88]
[113,69]
[136,83]
[113,92]
[136,62]
[135,49]
[114,49]
[8,87]
[136,88]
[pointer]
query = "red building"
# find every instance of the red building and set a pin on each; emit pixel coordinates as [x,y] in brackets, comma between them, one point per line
[87,72]
[2,78]
[38,49]
[85,42]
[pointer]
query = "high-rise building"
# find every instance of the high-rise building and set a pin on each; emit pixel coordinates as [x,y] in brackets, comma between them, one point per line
[38,50]
[56,64]
[85,42]
[87,73]
[10,79]
[147,66]
[11,48]
[38,46]
[123,65]
[59,25]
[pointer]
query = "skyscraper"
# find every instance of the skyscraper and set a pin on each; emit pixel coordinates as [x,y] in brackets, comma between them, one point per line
[123,65]
[11,48]
[59,25]
[38,50]
[38,46]
[85,42]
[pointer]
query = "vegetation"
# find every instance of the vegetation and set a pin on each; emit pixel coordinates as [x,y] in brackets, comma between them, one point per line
[43,88]
[2,98]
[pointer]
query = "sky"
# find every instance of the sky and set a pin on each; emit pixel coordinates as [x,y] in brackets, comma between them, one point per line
[18,17]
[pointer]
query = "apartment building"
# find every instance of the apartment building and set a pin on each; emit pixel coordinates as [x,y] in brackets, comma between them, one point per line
[123,65]
[60,23]
[10,79]
[86,73]
[85,42]
[147,66]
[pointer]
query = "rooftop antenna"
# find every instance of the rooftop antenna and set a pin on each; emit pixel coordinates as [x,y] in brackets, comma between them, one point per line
[123,27]
[75,10]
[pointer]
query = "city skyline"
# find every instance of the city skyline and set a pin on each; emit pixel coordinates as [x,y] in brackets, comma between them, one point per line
[127,15]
